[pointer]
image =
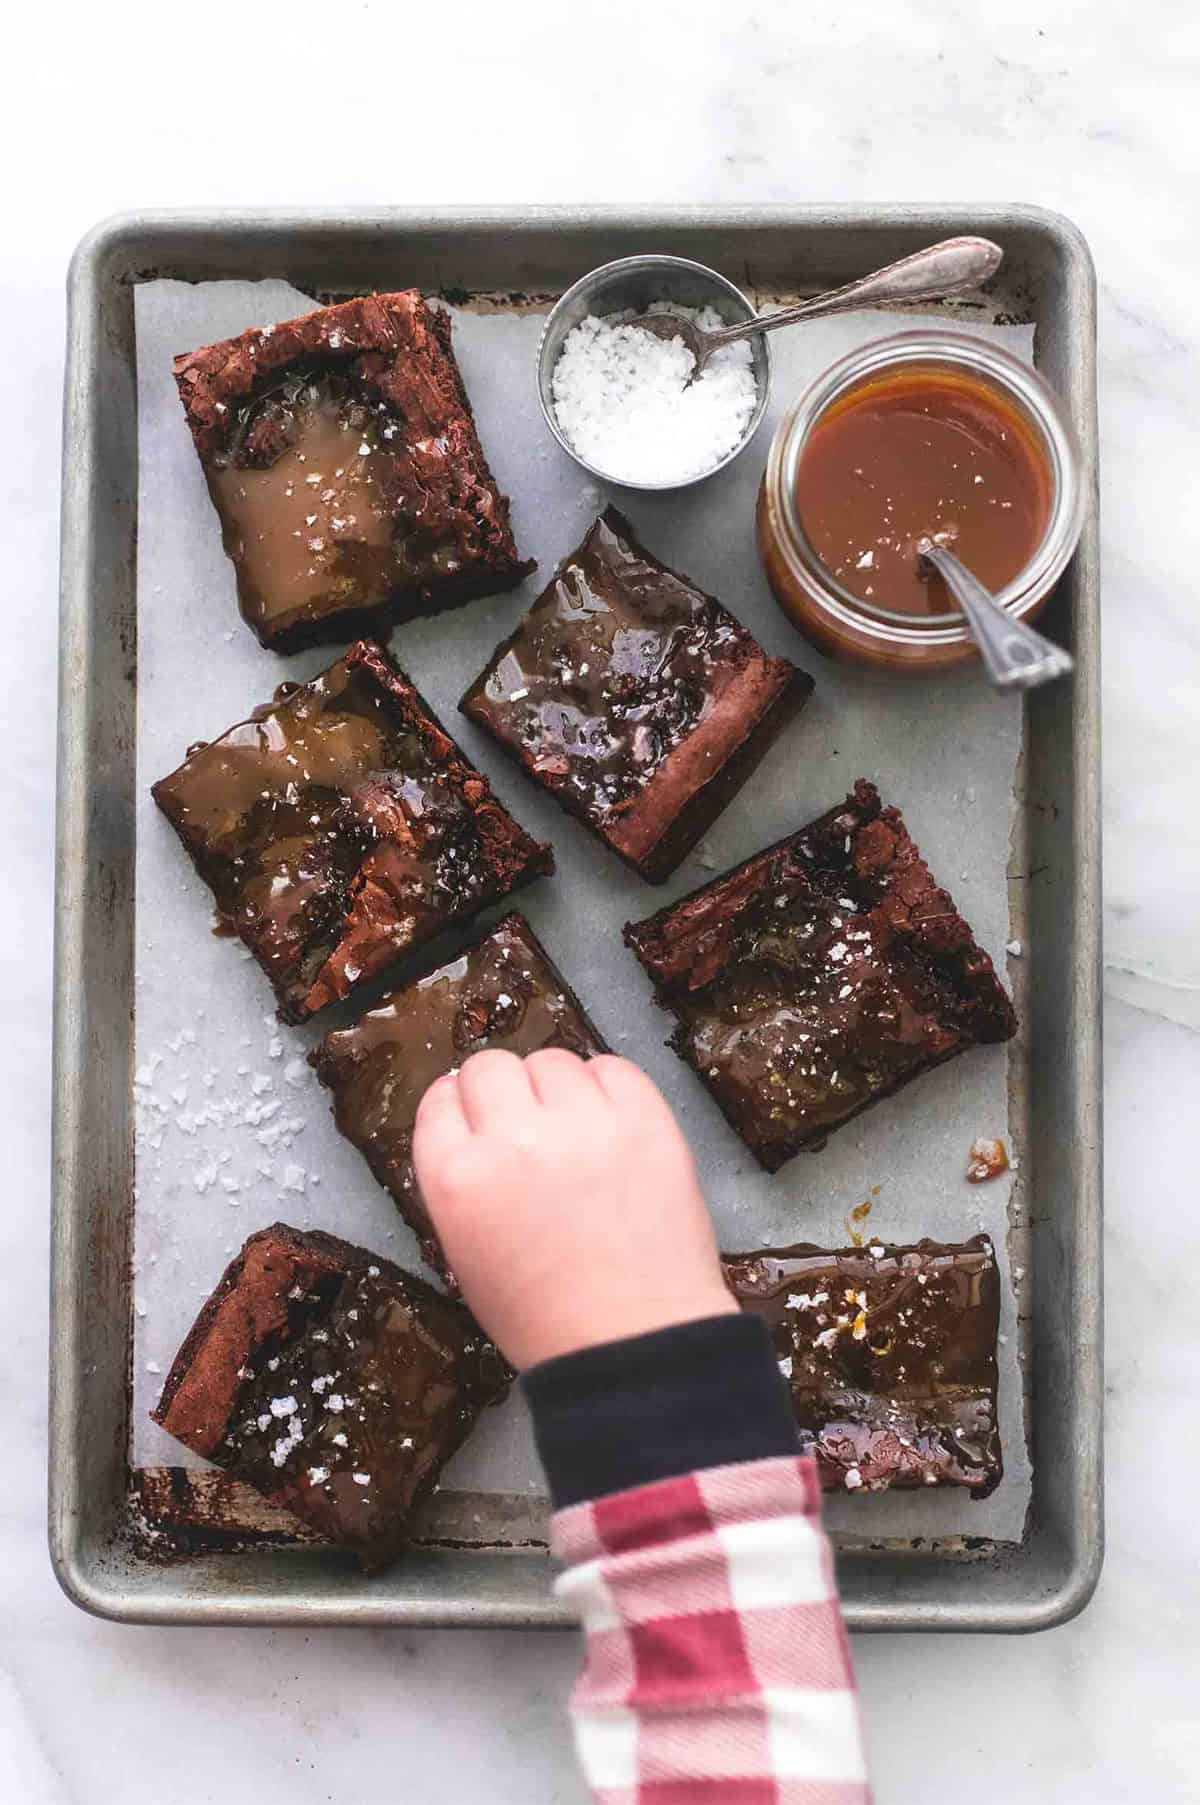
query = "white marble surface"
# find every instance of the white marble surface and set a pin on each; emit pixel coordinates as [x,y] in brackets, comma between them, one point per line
[1088,108]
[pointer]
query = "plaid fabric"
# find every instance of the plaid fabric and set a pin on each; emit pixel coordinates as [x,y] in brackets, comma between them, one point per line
[717,1667]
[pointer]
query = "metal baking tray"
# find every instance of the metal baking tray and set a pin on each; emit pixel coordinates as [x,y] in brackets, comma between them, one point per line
[101,1563]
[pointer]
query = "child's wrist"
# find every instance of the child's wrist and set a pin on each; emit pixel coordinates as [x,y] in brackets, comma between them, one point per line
[704,1393]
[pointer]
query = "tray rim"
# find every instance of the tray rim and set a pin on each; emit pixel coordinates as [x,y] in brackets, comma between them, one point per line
[1064,1566]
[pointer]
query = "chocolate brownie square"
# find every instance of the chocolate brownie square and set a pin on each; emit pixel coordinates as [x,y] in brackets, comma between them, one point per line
[331,1381]
[504,991]
[340,827]
[890,1353]
[820,976]
[342,459]
[636,699]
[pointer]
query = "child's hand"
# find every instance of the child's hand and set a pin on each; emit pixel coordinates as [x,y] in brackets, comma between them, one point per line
[566,1201]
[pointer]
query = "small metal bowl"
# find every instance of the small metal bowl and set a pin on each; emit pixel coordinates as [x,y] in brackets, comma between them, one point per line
[636,283]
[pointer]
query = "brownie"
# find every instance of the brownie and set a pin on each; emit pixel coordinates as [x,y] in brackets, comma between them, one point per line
[819,976]
[335,1384]
[504,991]
[340,827]
[891,1356]
[343,461]
[638,701]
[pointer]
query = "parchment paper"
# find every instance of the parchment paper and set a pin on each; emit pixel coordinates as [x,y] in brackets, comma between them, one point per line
[233,1131]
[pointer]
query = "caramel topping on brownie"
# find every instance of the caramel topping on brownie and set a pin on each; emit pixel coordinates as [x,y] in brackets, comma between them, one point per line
[636,699]
[890,1353]
[820,976]
[340,827]
[343,461]
[504,991]
[333,1382]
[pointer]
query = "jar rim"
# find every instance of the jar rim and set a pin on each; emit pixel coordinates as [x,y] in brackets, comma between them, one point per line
[1024,386]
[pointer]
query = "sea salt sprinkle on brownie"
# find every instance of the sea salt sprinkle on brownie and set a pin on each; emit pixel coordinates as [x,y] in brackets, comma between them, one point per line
[340,827]
[335,1384]
[503,991]
[820,976]
[636,699]
[342,458]
[890,1354]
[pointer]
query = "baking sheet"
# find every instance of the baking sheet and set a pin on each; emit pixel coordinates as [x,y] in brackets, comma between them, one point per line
[232,1129]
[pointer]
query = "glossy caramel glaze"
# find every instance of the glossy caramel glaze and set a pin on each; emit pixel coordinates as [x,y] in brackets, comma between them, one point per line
[303,503]
[342,459]
[922,452]
[340,827]
[339,1385]
[503,991]
[890,1353]
[819,976]
[633,697]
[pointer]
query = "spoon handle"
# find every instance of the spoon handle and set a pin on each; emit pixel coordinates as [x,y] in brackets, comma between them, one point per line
[1014,656]
[940,269]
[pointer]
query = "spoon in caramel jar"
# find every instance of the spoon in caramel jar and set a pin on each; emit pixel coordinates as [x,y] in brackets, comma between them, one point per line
[942,269]
[1014,655]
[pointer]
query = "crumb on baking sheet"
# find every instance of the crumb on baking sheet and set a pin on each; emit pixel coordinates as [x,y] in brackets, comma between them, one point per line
[987,1159]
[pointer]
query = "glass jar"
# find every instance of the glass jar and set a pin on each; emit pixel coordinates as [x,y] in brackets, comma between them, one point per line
[845,626]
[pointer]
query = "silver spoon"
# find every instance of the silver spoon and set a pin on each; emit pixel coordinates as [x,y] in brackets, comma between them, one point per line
[1014,656]
[929,275]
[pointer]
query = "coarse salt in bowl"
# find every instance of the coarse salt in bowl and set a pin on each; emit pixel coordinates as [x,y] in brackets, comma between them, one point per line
[627,404]
[619,400]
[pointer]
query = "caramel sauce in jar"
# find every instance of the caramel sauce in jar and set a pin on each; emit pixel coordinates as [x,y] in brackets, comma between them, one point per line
[916,452]
[935,435]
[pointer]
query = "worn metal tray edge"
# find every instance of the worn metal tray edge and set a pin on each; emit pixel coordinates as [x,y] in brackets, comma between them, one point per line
[1053,1573]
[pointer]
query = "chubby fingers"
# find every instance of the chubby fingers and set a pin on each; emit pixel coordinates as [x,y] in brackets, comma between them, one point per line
[441,1124]
[494,1090]
[623,1083]
[560,1078]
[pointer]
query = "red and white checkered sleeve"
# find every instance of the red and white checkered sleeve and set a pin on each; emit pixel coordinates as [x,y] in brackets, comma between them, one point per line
[717,1666]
